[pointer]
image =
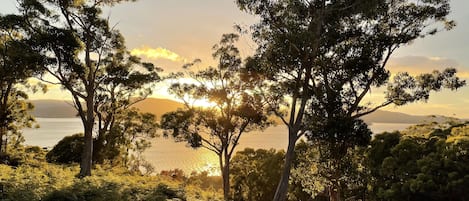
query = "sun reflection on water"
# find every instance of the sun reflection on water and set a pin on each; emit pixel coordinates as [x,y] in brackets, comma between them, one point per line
[165,154]
[211,169]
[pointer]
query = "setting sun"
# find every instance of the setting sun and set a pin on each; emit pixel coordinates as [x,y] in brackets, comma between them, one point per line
[167,100]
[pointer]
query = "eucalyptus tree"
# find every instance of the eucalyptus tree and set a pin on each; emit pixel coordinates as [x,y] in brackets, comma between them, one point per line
[118,124]
[235,107]
[19,61]
[80,42]
[326,56]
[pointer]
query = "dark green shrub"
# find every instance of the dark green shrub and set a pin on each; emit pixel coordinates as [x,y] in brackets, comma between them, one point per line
[67,150]
[163,193]
[61,196]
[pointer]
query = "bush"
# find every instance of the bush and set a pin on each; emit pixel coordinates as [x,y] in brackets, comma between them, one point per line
[51,182]
[163,193]
[68,150]
[31,155]
[255,173]
[421,163]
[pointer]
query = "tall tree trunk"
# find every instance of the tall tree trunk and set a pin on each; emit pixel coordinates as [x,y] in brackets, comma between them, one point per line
[5,95]
[224,167]
[87,155]
[334,192]
[3,147]
[98,148]
[282,188]
[226,178]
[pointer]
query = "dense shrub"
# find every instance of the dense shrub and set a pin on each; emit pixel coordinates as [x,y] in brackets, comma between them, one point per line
[255,174]
[68,150]
[35,179]
[114,191]
[50,182]
[421,163]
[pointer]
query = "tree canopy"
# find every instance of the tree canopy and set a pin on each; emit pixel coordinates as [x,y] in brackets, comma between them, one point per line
[235,110]
[19,60]
[89,60]
[327,55]
[424,162]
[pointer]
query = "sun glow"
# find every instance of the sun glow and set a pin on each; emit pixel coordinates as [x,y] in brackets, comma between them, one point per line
[204,103]
[211,169]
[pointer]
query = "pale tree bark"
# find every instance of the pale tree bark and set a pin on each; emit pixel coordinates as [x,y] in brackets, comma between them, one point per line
[282,188]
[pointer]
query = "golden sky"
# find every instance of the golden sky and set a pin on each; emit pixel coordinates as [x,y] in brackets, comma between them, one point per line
[171,32]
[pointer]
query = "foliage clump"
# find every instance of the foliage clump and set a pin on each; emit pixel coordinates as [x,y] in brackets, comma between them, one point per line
[424,162]
[34,179]
[413,165]
[67,150]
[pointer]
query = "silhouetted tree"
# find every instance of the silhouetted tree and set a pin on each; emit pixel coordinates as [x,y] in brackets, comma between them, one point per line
[123,86]
[84,48]
[130,136]
[327,55]
[19,61]
[236,108]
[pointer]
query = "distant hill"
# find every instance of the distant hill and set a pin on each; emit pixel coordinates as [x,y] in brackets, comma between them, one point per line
[53,109]
[381,116]
[64,109]
[158,106]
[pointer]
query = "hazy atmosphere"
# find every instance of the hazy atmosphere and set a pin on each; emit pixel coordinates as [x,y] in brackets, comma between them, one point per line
[170,33]
[234,100]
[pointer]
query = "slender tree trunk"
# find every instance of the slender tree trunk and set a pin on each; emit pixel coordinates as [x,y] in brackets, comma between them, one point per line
[2,128]
[224,167]
[4,117]
[226,178]
[98,148]
[3,148]
[226,183]
[87,155]
[334,192]
[282,188]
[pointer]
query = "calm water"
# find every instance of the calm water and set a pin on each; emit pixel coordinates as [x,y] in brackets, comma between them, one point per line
[166,154]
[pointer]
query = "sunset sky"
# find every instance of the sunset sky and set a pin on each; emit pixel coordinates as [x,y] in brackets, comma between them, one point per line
[171,32]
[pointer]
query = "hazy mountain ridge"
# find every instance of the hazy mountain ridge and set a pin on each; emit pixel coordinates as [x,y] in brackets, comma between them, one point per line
[64,109]
[53,109]
[381,116]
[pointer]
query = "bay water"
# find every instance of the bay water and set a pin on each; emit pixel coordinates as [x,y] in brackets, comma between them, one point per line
[165,154]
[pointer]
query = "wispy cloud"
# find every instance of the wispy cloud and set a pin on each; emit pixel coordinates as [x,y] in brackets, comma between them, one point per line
[156,53]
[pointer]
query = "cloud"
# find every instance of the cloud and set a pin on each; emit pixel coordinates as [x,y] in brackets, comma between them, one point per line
[156,53]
